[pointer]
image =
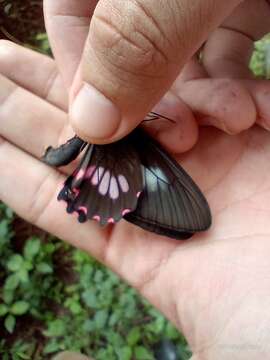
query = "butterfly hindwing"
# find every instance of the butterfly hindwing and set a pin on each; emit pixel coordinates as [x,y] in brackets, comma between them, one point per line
[107,183]
[171,203]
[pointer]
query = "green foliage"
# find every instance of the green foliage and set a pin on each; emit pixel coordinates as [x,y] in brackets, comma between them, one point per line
[70,301]
[42,43]
[260,62]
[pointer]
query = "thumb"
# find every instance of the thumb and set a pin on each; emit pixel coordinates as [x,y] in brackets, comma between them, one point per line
[134,51]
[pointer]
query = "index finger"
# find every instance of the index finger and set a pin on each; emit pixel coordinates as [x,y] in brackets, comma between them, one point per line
[71,18]
[34,72]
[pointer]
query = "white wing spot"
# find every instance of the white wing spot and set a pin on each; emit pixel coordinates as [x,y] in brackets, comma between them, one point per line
[97,175]
[114,191]
[151,181]
[159,173]
[123,183]
[105,182]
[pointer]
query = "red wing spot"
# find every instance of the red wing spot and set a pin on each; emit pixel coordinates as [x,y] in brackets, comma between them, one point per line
[138,194]
[80,174]
[83,209]
[125,212]
[111,221]
[76,191]
[96,217]
[90,171]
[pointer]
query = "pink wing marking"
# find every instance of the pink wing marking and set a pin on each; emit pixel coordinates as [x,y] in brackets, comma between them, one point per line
[105,182]
[138,194]
[83,209]
[80,174]
[97,175]
[89,171]
[76,191]
[111,221]
[114,191]
[123,183]
[125,211]
[96,217]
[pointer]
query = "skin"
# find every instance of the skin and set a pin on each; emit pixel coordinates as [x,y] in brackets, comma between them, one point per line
[128,48]
[214,287]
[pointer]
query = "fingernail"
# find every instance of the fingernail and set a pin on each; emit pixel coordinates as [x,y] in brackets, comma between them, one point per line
[93,115]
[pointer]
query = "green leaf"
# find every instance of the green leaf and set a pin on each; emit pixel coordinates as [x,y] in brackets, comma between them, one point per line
[100,318]
[141,353]
[124,353]
[10,322]
[134,336]
[90,298]
[171,332]
[9,213]
[8,296]
[55,328]
[3,309]
[4,230]
[44,268]
[28,265]
[15,262]
[98,277]
[23,356]
[75,307]
[51,347]
[23,275]
[19,307]
[31,248]
[115,339]
[88,325]
[12,282]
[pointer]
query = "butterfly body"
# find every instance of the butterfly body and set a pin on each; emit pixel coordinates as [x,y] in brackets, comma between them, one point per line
[134,179]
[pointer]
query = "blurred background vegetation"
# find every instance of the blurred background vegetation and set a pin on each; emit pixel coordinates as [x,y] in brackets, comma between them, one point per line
[54,297]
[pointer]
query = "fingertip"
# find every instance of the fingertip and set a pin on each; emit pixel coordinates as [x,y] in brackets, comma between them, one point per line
[93,116]
[223,103]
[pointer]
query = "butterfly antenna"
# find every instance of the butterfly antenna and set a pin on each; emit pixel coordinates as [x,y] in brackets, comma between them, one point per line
[155,116]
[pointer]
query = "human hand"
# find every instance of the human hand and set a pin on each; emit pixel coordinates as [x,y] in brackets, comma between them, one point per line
[134,51]
[214,287]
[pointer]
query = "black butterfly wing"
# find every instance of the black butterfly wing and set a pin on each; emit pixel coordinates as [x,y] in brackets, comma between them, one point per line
[107,183]
[171,203]
[65,153]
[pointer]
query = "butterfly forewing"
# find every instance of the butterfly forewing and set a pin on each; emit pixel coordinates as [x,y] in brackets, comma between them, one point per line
[171,203]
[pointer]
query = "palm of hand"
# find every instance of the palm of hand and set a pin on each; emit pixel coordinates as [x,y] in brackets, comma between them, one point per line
[226,271]
[215,278]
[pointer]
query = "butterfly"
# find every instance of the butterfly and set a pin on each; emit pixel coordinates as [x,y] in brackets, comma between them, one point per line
[135,179]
